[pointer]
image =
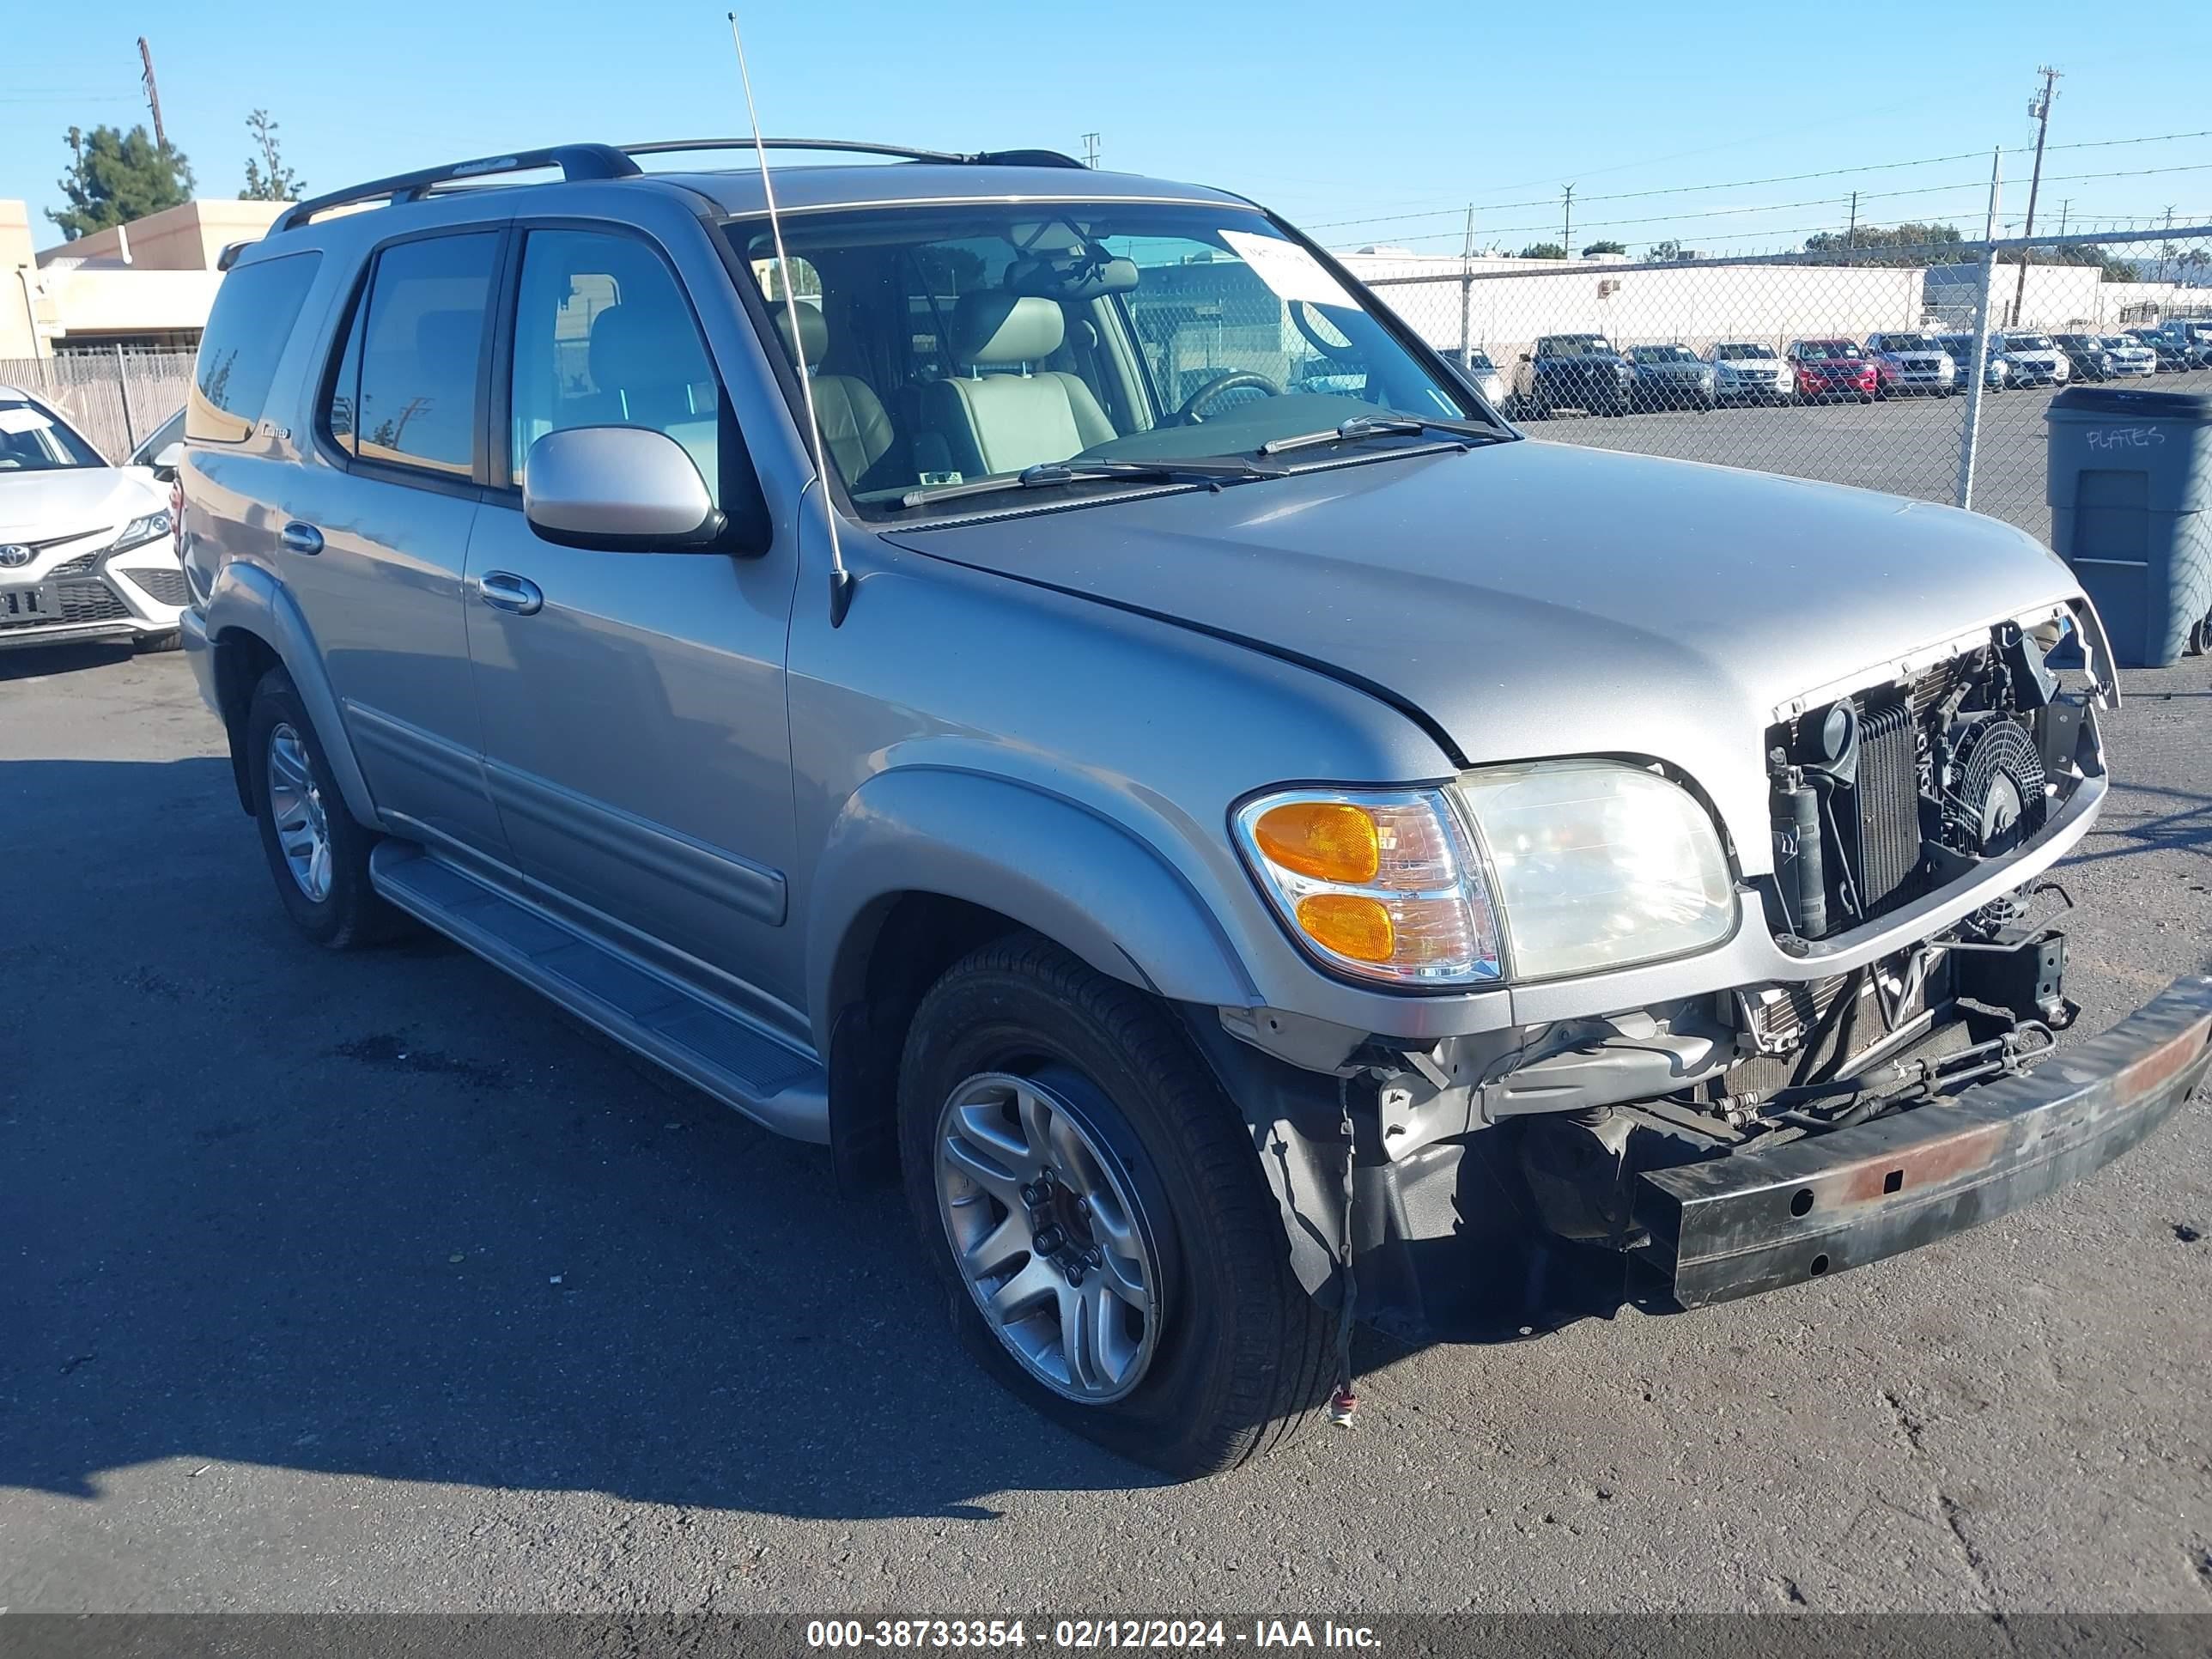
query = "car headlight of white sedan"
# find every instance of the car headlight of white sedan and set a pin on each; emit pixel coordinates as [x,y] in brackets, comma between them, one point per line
[147,527]
[1522,872]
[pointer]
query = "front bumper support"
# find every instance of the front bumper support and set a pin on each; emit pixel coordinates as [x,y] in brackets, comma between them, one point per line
[1757,1220]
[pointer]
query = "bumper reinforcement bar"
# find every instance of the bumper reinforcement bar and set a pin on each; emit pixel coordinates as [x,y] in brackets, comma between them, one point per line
[1757,1220]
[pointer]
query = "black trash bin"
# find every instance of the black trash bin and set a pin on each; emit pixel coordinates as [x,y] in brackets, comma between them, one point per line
[2131,494]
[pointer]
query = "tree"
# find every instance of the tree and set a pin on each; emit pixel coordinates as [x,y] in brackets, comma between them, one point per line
[115,177]
[267,178]
[1544,251]
[1596,248]
[1911,244]
[1671,250]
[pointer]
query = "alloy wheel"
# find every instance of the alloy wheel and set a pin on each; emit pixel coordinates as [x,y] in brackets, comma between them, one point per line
[296,807]
[1048,1236]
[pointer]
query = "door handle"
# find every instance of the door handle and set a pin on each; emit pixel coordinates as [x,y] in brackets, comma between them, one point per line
[503,590]
[297,538]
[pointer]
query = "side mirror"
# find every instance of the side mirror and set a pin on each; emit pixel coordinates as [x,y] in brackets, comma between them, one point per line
[618,488]
[166,460]
[1526,358]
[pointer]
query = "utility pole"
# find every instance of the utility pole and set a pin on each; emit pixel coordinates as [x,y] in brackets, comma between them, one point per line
[153,95]
[1567,227]
[2039,108]
[1091,150]
[2166,249]
[1851,236]
[2062,206]
[1466,242]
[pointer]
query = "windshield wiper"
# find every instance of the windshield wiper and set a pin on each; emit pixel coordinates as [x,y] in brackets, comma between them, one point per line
[1382,426]
[1047,474]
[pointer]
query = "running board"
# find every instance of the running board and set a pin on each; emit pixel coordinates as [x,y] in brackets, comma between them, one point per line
[705,1042]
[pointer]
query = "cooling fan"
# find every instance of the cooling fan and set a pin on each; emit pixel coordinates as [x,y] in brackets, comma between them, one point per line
[1995,800]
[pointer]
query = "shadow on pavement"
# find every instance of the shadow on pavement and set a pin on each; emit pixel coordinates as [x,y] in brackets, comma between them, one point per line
[386,1214]
[36,661]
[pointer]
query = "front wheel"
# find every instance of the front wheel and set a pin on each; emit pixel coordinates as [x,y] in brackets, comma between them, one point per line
[1108,1242]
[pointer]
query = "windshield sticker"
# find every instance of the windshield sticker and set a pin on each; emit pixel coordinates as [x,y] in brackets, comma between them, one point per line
[23,420]
[1288,269]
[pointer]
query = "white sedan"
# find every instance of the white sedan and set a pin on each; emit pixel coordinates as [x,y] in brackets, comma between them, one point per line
[88,550]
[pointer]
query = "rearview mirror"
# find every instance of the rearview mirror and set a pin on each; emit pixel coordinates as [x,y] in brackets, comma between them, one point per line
[619,489]
[166,460]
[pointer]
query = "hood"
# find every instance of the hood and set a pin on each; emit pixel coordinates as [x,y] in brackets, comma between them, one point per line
[74,500]
[1531,598]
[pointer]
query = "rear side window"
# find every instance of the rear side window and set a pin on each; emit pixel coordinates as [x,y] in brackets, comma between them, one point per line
[404,390]
[253,314]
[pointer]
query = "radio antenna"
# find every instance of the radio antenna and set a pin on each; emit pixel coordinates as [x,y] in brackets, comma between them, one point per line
[841,580]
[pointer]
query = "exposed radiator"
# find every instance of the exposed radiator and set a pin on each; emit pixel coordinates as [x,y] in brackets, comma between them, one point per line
[1887,804]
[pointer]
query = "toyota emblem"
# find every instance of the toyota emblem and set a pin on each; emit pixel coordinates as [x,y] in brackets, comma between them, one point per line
[14,557]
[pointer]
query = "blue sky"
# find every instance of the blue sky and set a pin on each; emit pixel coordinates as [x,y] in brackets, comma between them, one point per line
[1328,113]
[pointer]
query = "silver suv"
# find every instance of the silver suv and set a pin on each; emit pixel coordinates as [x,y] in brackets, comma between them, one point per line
[1163,770]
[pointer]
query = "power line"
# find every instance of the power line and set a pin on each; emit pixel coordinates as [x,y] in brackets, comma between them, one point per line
[1776,178]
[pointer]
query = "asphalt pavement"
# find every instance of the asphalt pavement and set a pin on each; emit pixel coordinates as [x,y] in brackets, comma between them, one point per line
[368,1282]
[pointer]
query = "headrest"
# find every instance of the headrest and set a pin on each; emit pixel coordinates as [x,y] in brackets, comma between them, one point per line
[995,329]
[813,331]
[444,337]
[641,345]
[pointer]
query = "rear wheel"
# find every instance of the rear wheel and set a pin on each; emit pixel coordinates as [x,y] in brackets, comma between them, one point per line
[317,851]
[1109,1246]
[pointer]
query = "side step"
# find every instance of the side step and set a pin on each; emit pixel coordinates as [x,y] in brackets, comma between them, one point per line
[704,1041]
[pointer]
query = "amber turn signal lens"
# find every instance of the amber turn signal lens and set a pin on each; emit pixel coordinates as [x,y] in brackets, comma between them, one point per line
[1327,840]
[1349,925]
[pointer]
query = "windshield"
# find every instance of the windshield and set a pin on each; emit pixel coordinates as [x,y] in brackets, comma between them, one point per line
[32,440]
[949,344]
[2028,342]
[1665,354]
[1742,353]
[1480,363]
[1575,345]
[1826,351]
[2118,343]
[1907,343]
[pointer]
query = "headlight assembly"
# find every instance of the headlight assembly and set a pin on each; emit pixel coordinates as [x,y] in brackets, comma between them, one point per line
[1380,883]
[150,526]
[1529,873]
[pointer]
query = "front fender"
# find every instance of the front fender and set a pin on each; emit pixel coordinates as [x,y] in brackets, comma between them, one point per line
[248,598]
[1047,862]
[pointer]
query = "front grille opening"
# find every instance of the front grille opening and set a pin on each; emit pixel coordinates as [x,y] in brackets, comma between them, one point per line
[1884,796]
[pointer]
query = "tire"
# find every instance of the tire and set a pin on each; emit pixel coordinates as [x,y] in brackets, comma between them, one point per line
[1866,398]
[1235,1356]
[348,913]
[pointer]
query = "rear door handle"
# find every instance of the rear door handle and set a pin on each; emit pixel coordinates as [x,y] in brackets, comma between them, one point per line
[503,590]
[297,538]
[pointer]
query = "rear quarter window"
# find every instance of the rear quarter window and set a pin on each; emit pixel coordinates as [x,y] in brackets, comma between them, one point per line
[253,316]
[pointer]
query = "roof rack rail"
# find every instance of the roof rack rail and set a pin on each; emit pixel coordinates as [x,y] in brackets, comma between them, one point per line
[1003,158]
[576,161]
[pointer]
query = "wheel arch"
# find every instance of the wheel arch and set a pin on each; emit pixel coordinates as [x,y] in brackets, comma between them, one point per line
[253,624]
[923,865]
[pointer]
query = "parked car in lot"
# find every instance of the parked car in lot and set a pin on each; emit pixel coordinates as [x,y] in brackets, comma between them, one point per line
[2033,359]
[1441,923]
[88,550]
[1748,371]
[1488,380]
[1827,371]
[2104,356]
[1908,363]
[1572,371]
[1996,368]
[2191,337]
[1669,377]
[2170,353]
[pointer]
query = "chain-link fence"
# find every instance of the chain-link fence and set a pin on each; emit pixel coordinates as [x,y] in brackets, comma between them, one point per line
[1853,366]
[115,397]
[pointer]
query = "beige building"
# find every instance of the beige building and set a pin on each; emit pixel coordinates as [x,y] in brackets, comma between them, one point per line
[148,284]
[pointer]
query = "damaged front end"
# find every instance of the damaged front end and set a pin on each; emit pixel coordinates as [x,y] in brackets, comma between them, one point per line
[1730,1141]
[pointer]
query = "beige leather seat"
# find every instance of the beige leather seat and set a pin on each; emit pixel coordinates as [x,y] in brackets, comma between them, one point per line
[996,421]
[854,427]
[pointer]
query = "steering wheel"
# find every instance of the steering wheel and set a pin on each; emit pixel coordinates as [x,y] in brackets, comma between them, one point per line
[1189,413]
